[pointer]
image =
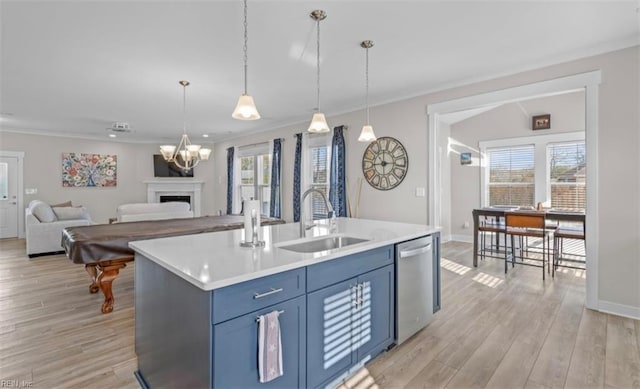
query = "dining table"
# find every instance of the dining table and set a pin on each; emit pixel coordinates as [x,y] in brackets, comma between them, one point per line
[497,212]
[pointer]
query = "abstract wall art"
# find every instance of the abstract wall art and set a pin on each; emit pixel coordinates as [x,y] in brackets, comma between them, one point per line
[89,170]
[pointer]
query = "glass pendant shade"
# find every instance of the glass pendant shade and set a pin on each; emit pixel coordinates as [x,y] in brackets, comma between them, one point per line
[204,154]
[367,134]
[246,109]
[167,151]
[318,123]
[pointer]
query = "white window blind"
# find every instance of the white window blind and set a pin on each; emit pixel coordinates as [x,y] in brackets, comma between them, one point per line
[319,180]
[511,175]
[567,175]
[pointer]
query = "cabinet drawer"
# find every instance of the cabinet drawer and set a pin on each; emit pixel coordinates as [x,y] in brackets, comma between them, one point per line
[339,269]
[236,300]
[235,353]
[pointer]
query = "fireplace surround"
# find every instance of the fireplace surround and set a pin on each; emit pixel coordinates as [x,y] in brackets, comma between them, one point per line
[176,187]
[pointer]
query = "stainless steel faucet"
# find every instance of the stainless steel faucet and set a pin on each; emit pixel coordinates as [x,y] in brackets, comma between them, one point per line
[303,226]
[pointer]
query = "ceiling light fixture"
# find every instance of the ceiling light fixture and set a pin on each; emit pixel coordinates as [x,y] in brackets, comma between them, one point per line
[367,134]
[318,121]
[186,155]
[246,108]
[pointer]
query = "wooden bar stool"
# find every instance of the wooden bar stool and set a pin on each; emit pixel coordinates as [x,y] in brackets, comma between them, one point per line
[567,232]
[494,227]
[527,224]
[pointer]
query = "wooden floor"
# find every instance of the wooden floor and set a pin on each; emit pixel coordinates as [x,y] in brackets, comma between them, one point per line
[493,331]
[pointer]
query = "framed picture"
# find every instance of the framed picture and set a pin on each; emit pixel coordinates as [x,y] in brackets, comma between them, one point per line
[541,122]
[89,170]
[465,158]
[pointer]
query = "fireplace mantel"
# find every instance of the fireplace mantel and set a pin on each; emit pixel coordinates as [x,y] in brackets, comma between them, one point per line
[176,187]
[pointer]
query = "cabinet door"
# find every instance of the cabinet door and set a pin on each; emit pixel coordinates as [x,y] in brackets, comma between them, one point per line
[330,331]
[235,348]
[374,313]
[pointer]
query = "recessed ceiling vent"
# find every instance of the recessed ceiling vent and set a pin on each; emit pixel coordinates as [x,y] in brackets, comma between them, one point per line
[120,127]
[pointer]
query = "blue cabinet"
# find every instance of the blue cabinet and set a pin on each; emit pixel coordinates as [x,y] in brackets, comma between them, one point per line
[336,315]
[347,323]
[235,348]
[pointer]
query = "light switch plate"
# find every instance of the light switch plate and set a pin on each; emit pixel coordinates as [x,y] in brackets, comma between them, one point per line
[420,192]
[31,191]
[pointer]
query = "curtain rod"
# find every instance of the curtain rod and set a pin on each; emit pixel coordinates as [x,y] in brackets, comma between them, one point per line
[344,127]
[259,143]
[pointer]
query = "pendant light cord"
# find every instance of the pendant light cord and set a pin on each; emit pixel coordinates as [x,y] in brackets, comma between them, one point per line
[318,67]
[184,108]
[366,72]
[244,48]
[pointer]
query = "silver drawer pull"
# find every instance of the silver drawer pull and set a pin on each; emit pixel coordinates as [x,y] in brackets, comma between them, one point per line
[265,294]
[279,313]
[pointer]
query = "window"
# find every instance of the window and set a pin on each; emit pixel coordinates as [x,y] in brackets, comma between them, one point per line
[567,173]
[525,171]
[316,154]
[319,180]
[255,175]
[511,175]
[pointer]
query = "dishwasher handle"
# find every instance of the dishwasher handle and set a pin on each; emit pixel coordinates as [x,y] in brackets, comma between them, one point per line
[416,251]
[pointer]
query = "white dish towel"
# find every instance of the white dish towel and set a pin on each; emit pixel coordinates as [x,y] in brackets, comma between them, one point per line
[269,347]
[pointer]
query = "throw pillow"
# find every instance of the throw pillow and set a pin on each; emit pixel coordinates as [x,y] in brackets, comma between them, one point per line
[43,212]
[69,213]
[65,204]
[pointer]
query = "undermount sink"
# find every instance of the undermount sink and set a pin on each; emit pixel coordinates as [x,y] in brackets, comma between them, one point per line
[322,244]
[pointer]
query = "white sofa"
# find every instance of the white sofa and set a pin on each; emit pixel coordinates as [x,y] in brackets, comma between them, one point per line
[153,211]
[44,225]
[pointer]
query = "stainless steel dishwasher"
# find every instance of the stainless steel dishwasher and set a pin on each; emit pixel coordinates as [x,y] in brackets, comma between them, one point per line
[414,286]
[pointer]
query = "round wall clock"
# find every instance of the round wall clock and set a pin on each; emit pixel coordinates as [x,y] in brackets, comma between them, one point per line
[385,163]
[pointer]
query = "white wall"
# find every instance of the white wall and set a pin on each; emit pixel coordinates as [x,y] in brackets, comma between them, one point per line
[511,120]
[618,161]
[398,204]
[43,171]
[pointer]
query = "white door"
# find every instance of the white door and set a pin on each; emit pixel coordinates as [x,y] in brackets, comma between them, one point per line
[8,197]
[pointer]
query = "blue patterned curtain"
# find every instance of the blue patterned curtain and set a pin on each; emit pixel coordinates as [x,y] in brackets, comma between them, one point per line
[297,170]
[276,178]
[230,152]
[337,174]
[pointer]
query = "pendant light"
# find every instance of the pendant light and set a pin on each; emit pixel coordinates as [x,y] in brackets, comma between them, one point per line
[318,121]
[186,155]
[367,134]
[246,108]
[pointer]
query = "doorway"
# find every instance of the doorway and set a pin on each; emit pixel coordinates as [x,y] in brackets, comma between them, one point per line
[11,218]
[588,82]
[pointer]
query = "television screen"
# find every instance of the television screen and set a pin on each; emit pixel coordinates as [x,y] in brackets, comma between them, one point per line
[162,168]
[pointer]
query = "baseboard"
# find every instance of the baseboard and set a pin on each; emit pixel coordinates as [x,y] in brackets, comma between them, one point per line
[619,309]
[462,238]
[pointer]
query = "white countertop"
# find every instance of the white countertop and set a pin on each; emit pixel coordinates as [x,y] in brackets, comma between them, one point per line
[214,260]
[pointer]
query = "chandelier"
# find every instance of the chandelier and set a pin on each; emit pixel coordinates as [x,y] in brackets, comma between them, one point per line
[186,155]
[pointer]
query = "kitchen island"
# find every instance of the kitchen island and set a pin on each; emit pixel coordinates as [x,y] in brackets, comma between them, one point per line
[197,298]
